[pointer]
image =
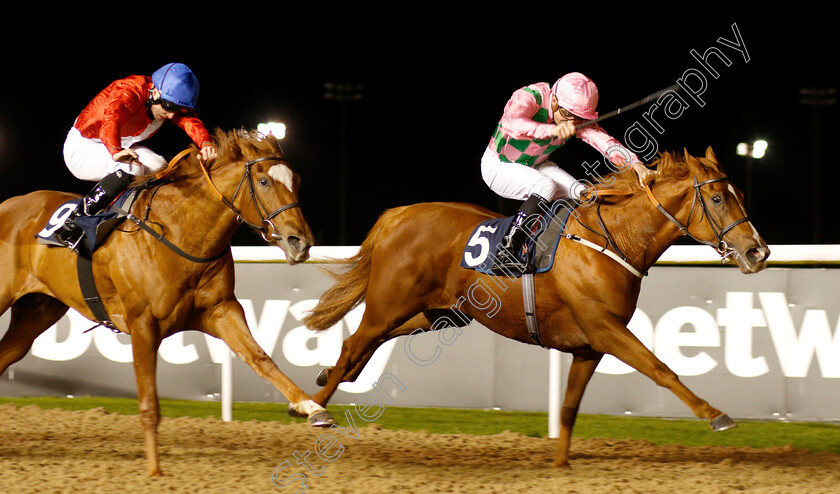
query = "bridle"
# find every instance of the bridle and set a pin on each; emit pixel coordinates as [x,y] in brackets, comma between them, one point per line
[266,227]
[720,245]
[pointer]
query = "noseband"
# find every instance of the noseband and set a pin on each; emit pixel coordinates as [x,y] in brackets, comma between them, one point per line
[720,246]
[266,227]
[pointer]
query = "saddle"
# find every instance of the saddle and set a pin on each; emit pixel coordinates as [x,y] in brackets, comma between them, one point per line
[488,236]
[95,227]
[95,230]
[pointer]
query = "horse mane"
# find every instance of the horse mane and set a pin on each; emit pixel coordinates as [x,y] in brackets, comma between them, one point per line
[669,166]
[244,145]
[231,146]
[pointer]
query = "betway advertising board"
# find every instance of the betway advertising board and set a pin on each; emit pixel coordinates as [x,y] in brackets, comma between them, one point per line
[760,346]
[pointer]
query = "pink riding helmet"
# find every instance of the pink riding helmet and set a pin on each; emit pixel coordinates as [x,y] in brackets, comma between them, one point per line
[578,94]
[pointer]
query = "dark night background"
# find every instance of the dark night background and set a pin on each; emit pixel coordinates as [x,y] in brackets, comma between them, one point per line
[432,93]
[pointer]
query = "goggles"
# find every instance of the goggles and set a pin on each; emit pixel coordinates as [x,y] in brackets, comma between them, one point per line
[169,106]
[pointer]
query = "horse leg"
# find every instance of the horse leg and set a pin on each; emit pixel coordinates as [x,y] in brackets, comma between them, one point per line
[580,372]
[613,337]
[144,348]
[359,348]
[418,322]
[227,322]
[352,350]
[31,315]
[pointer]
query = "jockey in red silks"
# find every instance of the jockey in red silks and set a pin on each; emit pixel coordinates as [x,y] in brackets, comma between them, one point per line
[103,145]
[537,120]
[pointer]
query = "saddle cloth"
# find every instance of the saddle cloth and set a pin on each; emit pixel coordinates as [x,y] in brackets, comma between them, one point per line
[486,238]
[95,227]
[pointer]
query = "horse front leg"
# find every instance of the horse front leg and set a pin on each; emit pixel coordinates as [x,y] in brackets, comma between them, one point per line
[580,373]
[227,322]
[609,335]
[144,347]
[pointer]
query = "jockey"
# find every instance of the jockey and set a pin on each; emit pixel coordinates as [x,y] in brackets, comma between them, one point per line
[537,120]
[102,144]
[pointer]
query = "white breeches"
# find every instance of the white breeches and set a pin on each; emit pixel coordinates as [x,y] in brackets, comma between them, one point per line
[516,181]
[89,159]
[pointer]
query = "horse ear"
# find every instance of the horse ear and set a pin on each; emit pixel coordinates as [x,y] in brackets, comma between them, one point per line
[710,155]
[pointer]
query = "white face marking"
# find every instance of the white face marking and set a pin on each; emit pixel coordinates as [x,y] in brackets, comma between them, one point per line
[755,234]
[282,174]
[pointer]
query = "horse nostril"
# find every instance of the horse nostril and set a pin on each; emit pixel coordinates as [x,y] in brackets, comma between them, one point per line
[759,254]
[295,243]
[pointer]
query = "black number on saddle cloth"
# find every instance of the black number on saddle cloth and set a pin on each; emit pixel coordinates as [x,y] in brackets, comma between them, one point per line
[95,227]
[484,242]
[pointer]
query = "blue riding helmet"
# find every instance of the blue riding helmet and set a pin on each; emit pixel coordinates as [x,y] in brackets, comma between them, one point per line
[177,84]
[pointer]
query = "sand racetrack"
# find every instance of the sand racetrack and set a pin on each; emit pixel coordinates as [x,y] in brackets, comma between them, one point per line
[47,451]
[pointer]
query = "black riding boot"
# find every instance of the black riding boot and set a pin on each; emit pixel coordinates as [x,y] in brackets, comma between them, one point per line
[95,201]
[509,258]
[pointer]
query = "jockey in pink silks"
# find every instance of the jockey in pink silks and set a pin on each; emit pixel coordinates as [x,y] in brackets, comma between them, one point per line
[537,120]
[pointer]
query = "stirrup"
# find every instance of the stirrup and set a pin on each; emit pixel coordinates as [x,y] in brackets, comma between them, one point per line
[508,264]
[69,236]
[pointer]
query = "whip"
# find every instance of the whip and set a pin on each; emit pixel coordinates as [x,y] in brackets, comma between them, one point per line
[642,101]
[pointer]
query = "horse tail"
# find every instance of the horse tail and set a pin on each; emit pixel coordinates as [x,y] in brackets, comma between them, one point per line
[349,289]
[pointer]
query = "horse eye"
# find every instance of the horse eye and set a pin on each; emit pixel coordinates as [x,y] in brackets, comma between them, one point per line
[264,182]
[717,199]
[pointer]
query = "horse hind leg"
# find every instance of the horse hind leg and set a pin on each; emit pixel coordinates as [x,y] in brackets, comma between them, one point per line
[358,350]
[355,351]
[31,315]
[418,322]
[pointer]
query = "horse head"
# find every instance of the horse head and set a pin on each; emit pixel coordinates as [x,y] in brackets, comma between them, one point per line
[266,197]
[716,213]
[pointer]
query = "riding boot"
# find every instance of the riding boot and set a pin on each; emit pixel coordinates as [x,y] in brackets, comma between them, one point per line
[509,257]
[95,201]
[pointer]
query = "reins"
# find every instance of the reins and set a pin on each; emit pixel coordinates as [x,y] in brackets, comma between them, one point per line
[262,210]
[720,246]
[173,163]
[143,224]
[614,254]
[266,229]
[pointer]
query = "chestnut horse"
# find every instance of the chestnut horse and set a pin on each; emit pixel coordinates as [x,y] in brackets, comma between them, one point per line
[149,290]
[407,271]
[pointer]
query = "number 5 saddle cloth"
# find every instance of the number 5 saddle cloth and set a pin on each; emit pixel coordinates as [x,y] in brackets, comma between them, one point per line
[546,229]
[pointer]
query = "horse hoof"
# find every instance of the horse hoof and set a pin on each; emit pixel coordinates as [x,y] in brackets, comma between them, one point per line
[322,378]
[722,423]
[321,419]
